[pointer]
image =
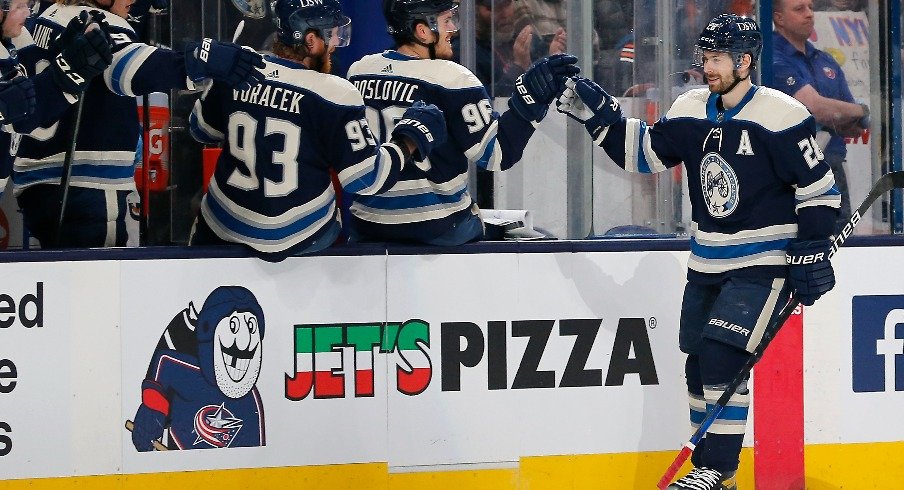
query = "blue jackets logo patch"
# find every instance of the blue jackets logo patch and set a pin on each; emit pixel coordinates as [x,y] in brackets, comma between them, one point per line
[719,184]
[216,426]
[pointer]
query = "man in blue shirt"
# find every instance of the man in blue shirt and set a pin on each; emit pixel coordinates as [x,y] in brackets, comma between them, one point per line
[815,79]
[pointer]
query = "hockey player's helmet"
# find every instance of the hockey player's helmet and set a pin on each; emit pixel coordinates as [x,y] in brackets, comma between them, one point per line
[730,33]
[293,19]
[401,15]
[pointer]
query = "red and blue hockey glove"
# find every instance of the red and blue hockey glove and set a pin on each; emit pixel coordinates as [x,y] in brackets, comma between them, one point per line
[223,62]
[81,55]
[809,269]
[17,100]
[540,84]
[425,125]
[587,102]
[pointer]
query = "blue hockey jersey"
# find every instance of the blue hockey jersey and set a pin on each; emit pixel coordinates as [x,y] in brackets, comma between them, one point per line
[271,189]
[432,195]
[108,135]
[51,101]
[756,177]
[200,415]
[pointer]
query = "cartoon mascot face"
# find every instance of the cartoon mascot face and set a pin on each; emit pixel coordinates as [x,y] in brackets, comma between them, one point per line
[230,334]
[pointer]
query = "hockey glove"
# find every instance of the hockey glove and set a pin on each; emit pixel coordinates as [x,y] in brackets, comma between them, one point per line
[809,269]
[81,55]
[17,100]
[424,125]
[223,62]
[587,102]
[76,28]
[540,84]
[149,425]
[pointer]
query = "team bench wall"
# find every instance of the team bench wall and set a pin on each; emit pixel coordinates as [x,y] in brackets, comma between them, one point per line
[485,354]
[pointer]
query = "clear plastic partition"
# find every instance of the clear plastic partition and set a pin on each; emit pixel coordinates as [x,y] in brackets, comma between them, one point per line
[190,161]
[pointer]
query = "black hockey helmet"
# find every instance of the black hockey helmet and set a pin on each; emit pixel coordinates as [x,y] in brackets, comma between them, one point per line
[730,33]
[293,18]
[401,15]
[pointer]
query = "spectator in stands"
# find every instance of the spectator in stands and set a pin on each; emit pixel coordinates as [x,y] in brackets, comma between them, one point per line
[614,21]
[501,55]
[814,78]
[547,19]
[840,5]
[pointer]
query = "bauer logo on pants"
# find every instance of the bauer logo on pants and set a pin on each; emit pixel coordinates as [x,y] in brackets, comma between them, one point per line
[877,344]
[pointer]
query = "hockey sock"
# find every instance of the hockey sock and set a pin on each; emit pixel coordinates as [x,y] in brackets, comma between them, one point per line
[719,363]
[696,402]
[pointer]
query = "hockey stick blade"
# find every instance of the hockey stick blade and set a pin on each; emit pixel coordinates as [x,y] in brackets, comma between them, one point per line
[889,181]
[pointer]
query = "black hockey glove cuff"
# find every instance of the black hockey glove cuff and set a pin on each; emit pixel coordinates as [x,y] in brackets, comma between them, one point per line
[809,270]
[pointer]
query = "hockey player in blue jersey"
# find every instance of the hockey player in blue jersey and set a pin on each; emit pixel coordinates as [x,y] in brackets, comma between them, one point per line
[762,197]
[431,204]
[271,189]
[200,389]
[103,161]
[28,100]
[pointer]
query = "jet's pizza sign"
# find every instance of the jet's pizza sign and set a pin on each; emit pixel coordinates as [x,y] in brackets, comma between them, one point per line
[324,353]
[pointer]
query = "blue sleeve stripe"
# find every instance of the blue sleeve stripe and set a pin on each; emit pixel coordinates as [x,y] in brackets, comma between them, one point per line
[198,132]
[483,161]
[118,68]
[369,180]
[125,64]
[642,165]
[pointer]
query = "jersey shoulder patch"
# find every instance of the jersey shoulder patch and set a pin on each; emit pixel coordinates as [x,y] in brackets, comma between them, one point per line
[774,110]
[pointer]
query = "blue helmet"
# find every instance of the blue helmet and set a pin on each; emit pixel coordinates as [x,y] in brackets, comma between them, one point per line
[730,33]
[401,15]
[293,18]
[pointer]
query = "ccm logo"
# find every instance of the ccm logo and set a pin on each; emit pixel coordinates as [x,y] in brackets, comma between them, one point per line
[730,326]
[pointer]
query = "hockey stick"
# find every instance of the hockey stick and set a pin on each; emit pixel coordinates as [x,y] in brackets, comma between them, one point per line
[889,181]
[67,168]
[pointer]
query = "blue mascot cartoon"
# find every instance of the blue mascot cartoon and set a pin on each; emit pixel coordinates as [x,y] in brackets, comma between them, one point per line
[199,392]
